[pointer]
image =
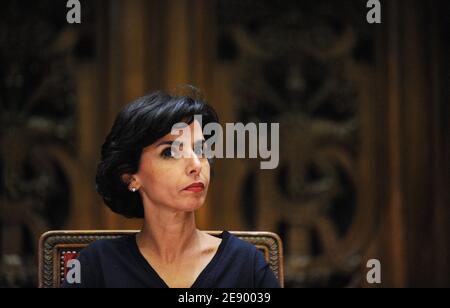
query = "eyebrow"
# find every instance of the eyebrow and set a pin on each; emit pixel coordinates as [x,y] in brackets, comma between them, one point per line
[177,143]
[167,143]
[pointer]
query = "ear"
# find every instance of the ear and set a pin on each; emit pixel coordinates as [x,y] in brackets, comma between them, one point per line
[129,179]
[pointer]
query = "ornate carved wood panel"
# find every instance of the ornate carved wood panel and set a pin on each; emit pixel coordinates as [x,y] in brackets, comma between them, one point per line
[307,65]
[39,132]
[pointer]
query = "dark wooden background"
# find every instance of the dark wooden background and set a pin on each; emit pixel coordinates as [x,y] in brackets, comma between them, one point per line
[363,111]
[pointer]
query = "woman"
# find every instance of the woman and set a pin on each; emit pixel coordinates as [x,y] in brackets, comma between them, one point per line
[139,177]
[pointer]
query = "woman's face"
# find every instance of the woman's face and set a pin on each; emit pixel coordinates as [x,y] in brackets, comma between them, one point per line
[162,179]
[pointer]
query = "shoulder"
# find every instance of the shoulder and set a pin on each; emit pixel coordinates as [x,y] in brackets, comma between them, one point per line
[238,246]
[106,253]
[246,252]
[253,263]
[242,264]
[95,259]
[106,247]
[239,243]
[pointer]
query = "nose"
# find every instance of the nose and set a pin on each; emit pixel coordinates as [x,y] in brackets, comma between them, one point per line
[194,165]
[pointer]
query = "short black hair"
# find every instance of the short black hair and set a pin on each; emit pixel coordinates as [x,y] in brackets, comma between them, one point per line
[138,125]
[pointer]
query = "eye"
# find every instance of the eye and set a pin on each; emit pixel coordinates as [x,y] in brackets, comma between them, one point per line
[167,153]
[200,150]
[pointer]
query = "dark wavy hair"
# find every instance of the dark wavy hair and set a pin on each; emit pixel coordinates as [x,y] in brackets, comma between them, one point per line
[138,125]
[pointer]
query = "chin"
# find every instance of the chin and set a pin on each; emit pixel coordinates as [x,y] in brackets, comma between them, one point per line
[191,206]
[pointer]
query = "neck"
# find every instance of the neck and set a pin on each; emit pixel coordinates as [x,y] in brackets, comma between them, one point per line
[168,234]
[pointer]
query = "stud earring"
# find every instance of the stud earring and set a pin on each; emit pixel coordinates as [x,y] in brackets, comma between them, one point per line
[133,189]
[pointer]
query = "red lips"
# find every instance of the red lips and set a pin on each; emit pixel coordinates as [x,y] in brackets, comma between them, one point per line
[196,187]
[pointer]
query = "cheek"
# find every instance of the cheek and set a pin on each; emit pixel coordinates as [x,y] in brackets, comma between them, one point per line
[158,179]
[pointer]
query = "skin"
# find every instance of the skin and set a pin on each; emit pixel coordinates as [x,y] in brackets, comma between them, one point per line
[169,239]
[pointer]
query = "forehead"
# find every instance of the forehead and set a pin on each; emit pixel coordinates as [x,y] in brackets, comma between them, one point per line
[193,130]
[184,131]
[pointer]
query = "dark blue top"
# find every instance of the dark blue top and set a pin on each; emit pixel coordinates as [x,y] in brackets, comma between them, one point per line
[118,263]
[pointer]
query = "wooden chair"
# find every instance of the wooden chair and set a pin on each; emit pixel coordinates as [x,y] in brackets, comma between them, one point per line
[56,248]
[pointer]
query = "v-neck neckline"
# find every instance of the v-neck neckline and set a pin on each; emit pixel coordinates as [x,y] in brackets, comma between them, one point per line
[200,278]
